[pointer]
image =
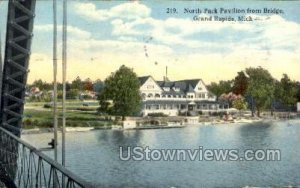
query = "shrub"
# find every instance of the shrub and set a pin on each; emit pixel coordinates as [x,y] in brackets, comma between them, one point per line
[47,105]
[35,123]
[154,122]
[85,109]
[27,122]
[158,114]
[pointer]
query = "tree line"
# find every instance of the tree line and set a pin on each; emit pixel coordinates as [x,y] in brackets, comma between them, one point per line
[255,88]
[261,90]
[73,88]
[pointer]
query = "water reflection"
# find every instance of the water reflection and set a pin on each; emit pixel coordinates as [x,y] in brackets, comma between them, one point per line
[95,156]
[255,135]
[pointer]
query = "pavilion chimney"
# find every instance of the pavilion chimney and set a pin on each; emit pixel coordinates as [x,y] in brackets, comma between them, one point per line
[166,72]
[166,76]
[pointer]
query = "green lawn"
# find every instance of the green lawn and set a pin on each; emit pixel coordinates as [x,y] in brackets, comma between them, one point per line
[77,115]
[71,115]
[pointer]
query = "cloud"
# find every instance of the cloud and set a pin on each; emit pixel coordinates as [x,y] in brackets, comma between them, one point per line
[128,11]
[191,49]
[132,20]
[97,47]
[269,32]
[72,31]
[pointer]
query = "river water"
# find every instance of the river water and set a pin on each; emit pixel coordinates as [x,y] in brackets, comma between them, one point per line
[95,155]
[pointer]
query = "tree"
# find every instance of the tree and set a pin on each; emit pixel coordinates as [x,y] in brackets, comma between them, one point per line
[68,86]
[221,87]
[240,104]
[240,84]
[105,105]
[260,87]
[122,87]
[42,85]
[77,84]
[286,91]
[229,98]
[98,86]
[298,91]
[72,94]
[88,85]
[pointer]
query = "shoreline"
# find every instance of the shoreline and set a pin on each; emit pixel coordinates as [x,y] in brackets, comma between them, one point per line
[206,123]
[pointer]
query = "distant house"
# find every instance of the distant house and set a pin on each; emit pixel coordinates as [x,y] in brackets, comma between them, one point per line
[88,95]
[175,97]
[35,92]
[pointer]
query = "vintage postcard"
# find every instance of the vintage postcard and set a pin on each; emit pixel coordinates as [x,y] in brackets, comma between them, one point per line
[99,93]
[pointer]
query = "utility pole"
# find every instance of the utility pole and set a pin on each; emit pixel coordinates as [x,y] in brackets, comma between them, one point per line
[55,77]
[1,71]
[64,73]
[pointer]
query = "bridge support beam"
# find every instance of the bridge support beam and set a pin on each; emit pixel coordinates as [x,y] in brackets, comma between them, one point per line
[14,77]
[17,53]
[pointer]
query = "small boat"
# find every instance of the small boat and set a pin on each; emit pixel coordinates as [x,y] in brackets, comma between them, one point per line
[116,127]
[243,121]
[78,129]
[174,123]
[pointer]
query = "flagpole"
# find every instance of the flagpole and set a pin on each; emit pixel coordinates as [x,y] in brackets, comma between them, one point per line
[64,72]
[55,77]
[1,70]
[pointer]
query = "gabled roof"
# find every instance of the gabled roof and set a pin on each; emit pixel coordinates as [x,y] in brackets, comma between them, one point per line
[187,85]
[183,85]
[165,83]
[192,82]
[143,79]
[191,89]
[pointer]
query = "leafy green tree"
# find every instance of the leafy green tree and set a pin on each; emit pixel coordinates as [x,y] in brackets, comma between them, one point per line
[68,86]
[77,84]
[221,87]
[240,84]
[286,91]
[260,87]
[105,105]
[72,94]
[240,104]
[98,86]
[298,91]
[122,87]
[59,94]
[43,86]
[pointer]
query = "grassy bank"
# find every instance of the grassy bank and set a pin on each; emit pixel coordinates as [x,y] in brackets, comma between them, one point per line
[37,116]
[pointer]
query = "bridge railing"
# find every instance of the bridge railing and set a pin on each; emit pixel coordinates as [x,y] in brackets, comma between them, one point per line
[29,167]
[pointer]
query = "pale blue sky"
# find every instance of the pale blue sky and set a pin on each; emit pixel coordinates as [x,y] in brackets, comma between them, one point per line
[105,34]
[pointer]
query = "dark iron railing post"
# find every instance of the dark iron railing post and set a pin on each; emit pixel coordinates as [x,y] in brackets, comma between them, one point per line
[34,168]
